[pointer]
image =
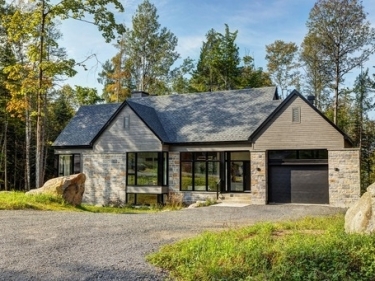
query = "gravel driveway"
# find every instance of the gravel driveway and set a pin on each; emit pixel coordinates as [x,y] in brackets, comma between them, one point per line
[38,245]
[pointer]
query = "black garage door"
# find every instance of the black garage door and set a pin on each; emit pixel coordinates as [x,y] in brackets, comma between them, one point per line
[295,181]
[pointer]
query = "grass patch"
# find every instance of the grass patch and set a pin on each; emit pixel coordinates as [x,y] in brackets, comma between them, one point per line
[307,249]
[20,201]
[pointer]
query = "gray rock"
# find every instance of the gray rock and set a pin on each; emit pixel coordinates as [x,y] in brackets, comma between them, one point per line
[71,188]
[360,217]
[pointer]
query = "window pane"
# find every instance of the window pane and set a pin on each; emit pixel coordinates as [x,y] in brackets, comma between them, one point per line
[131,179]
[213,175]
[186,156]
[65,165]
[186,176]
[147,199]
[131,163]
[213,155]
[200,155]
[240,155]
[200,176]
[77,163]
[282,154]
[165,168]
[147,168]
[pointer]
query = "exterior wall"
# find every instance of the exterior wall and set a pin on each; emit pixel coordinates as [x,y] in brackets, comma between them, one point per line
[117,139]
[105,164]
[105,181]
[312,132]
[343,177]
[259,172]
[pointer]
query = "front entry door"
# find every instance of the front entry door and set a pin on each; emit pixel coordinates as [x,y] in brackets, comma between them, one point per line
[239,176]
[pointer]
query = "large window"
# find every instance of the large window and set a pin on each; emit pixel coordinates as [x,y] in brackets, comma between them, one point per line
[200,171]
[68,164]
[147,168]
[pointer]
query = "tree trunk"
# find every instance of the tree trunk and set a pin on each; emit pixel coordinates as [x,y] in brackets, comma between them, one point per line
[27,143]
[39,165]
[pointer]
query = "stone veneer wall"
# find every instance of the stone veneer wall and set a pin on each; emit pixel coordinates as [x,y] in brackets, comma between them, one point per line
[258,169]
[174,172]
[105,182]
[343,177]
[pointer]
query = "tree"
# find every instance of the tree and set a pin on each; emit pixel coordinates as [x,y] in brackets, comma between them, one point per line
[282,65]
[116,77]
[344,37]
[217,67]
[251,77]
[37,27]
[179,82]
[147,51]
[318,71]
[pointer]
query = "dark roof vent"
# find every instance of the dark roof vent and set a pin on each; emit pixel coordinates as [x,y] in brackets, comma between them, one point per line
[139,94]
[311,99]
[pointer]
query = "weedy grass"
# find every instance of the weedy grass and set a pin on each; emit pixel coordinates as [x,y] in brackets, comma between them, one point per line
[13,200]
[313,248]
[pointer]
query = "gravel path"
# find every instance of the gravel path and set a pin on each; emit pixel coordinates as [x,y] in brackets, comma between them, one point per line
[36,245]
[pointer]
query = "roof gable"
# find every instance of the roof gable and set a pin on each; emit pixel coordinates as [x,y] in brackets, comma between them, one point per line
[285,103]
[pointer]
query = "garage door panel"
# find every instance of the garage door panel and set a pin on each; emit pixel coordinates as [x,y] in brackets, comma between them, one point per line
[309,184]
[279,176]
[298,184]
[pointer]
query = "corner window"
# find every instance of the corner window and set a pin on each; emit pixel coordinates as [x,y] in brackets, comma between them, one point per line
[68,164]
[200,171]
[147,168]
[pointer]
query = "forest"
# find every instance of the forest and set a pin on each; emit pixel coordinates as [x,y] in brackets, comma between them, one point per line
[36,103]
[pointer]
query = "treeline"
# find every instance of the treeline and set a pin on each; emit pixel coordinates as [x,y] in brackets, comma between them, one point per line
[35,105]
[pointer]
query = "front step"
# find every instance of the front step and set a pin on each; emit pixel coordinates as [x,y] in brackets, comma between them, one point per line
[235,197]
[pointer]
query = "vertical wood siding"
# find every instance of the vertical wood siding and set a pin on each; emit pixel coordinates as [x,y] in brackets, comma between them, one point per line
[312,132]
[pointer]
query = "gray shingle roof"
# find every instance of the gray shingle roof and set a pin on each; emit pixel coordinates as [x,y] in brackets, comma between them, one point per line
[207,117]
[86,125]
[186,118]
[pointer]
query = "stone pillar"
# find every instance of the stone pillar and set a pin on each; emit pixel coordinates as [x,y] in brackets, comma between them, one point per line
[258,168]
[174,171]
[344,177]
[106,177]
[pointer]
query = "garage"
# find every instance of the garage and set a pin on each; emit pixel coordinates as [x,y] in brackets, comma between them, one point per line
[298,176]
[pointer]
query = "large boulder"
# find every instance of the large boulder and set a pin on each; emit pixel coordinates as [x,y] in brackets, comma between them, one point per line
[360,217]
[71,188]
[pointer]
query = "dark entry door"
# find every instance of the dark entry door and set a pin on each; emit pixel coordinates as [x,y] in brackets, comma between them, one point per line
[239,176]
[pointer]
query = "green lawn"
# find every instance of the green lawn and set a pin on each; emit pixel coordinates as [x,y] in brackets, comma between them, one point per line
[21,201]
[308,249]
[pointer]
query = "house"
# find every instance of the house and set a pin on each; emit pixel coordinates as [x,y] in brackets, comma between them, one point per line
[203,145]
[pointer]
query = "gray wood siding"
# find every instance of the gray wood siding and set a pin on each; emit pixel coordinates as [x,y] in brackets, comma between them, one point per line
[312,132]
[137,137]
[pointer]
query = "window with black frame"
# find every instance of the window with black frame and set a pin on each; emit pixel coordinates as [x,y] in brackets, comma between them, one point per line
[200,171]
[68,164]
[147,168]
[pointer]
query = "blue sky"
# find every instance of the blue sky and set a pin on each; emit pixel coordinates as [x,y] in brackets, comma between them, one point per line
[259,23]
